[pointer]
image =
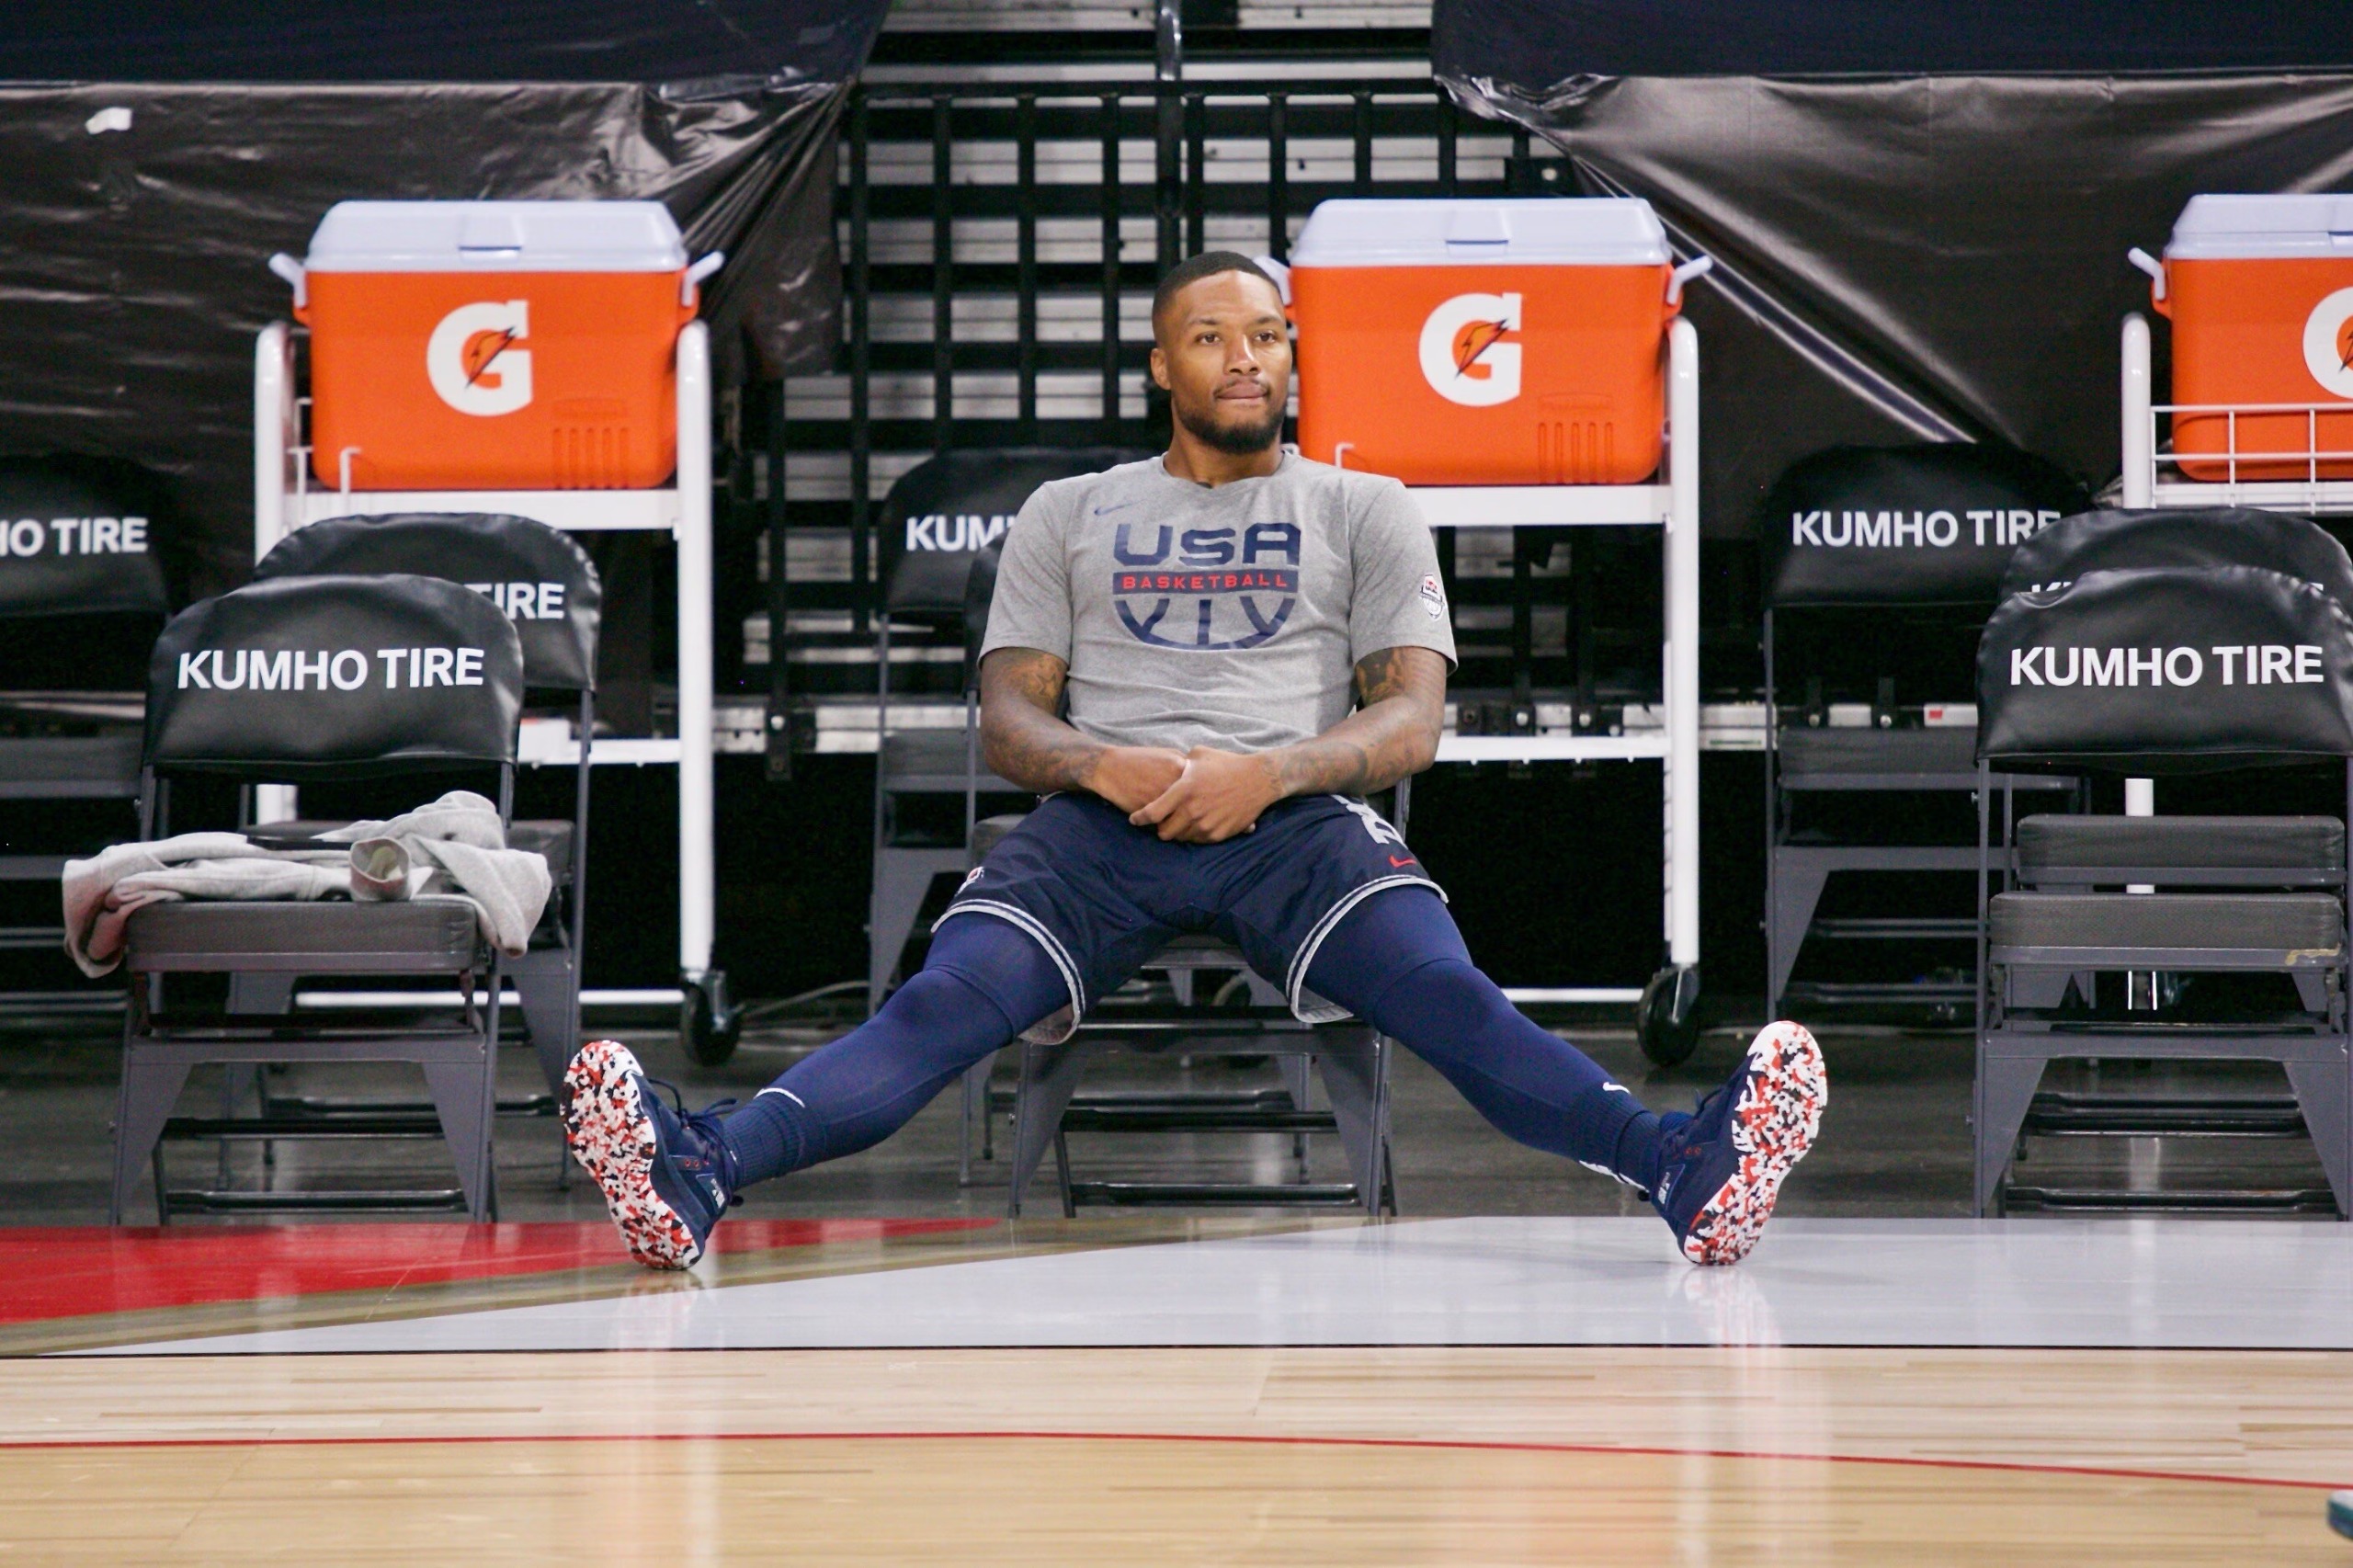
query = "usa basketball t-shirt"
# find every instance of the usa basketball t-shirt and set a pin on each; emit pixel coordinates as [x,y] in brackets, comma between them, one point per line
[1231,617]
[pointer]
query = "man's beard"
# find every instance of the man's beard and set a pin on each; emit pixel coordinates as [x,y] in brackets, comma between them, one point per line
[1237,440]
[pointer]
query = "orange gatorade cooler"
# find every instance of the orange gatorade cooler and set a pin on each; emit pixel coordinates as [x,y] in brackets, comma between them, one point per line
[1492,342]
[2260,291]
[495,344]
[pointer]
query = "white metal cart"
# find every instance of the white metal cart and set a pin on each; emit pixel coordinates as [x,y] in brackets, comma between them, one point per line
[1667,1014]
[284,501]
[2151,474]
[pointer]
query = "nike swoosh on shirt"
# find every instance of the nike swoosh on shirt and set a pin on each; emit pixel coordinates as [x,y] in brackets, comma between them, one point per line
[1407,861]
[1106,511]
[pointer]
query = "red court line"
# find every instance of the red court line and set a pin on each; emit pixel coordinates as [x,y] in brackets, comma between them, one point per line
[2006,1466]
[70,1271]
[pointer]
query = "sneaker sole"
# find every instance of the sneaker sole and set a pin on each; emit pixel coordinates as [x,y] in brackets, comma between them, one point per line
[1776,1121]
[610,1133]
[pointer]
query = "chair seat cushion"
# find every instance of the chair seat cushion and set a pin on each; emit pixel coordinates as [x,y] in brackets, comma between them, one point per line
[423,934]
[2313,843]
[2311,923]
[989,832]
[1946,749]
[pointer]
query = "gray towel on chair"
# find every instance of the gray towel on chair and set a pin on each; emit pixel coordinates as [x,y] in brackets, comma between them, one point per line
[454,847]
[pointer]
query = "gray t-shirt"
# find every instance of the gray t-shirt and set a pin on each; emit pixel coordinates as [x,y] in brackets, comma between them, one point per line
[1231,617]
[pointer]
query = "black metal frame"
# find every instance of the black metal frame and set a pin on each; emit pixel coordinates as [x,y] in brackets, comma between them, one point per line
[1784,935]
[2021,1028]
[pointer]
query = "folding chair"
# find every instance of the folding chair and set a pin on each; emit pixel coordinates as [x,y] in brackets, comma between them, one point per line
[1881,563]
[544,581]
[2165,670]
[1349,1058]
[82,592]
[935,519]
[314,689]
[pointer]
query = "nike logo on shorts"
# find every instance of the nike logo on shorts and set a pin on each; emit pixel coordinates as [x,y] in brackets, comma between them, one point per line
[1409,860]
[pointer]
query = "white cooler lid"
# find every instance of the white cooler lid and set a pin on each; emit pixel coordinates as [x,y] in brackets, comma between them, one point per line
[497,236]
[2221,228]
[1589,230]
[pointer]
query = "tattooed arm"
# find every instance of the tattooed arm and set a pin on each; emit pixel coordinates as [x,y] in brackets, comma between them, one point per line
[1026,742]
[1392,734]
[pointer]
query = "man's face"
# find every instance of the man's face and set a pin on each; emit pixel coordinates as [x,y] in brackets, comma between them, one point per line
[1221,351]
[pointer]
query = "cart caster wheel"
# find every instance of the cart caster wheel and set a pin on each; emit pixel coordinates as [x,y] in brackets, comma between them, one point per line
[1667,1020]
[709,1024]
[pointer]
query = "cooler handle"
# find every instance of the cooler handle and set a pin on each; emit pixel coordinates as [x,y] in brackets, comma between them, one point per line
[1278,270]
[1698,266]
[296,275]
[696,274]
[2153,267]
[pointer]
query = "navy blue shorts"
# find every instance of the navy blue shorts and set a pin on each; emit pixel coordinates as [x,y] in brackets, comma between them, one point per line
[1102,896]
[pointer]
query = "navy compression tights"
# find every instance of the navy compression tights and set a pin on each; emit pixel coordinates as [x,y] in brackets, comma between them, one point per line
[1395,960]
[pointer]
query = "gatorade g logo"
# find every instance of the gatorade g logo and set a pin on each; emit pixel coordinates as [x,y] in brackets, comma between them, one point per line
[473,361]
[2328,343]
[1471,349]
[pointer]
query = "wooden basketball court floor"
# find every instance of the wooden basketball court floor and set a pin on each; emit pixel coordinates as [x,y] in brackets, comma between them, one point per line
[1154,1391]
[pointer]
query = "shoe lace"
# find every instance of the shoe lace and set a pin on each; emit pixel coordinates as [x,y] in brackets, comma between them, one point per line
[707,1128]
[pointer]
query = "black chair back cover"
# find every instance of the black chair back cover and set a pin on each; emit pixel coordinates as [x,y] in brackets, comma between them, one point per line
[980,593]
[77,538]
[539,575]
[2211,535]
[947,508]
[1915,525]
[334,678]
[2167,669]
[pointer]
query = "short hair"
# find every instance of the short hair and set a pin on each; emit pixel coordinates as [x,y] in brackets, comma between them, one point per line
[1209,264]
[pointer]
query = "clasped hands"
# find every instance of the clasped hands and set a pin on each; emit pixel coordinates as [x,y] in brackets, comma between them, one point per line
[1203,796]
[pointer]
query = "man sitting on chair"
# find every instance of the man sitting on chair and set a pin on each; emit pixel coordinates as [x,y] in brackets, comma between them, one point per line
[1248,644]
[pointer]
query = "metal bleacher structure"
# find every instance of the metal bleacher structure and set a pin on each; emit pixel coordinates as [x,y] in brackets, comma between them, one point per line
[1013,179]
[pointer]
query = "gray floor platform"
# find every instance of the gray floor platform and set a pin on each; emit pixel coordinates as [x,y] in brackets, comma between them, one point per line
[2041,1283]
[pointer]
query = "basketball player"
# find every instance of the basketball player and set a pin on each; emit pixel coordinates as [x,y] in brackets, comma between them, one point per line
[1247,644]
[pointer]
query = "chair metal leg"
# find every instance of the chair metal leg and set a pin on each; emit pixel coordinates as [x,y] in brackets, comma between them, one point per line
[1797,893]
[1297,1069]
[902,879]
[150,1090]
[463,1097]
[261,993]
[2038,988]
[976,1126]
[2323,1091]
[1351,1069]
[1050,1076]
[549,994]
[1062,1174]
[2006,1087]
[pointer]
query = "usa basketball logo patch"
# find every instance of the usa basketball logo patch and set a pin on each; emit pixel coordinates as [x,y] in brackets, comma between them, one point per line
[1209,590]
[1433,598]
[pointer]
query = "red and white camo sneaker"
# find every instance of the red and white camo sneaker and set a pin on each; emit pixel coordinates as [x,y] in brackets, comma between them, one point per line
[1721,1171]
[668,1176]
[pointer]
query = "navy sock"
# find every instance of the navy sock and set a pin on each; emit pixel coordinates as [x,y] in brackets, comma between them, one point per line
[985,982]
[1397,961]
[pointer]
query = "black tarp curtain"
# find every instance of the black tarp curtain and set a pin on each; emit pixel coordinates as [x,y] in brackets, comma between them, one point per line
[1933,251]
[138,207]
